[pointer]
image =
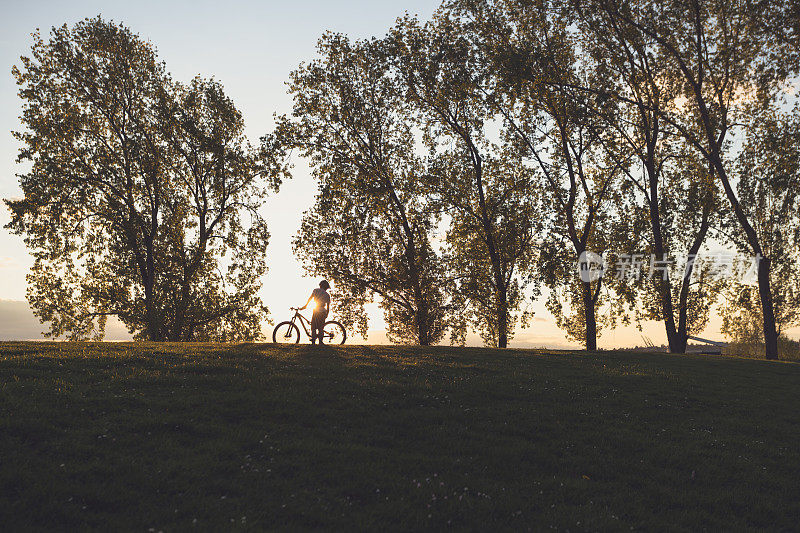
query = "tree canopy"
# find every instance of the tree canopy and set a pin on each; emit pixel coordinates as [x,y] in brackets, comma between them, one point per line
[371,229]
[466,166]
[138,187]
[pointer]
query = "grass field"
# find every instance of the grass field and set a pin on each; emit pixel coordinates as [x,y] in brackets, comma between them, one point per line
[171,437]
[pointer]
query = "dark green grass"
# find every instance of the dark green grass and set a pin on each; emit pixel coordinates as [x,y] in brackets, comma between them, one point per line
[170,437]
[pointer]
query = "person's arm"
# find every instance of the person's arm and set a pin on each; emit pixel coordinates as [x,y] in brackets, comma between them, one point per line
[308,301]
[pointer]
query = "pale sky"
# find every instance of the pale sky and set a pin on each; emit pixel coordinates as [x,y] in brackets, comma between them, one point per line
[250,47]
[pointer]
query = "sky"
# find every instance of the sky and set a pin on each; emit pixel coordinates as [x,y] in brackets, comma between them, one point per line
[251,47]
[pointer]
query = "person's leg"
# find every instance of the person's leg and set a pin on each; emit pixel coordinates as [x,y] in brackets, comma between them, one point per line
[315,329]
[322,319]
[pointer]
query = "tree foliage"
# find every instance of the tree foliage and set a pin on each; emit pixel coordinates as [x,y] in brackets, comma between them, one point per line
[532,63]
[721,56]
[491,238]
[371,228]
[462,164]
[138,186]
[768,171]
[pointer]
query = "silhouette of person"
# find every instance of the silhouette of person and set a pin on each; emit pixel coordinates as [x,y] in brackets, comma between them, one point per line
[322,304]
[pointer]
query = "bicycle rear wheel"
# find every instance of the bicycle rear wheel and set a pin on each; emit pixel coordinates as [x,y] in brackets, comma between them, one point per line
[286,333]
[334,333]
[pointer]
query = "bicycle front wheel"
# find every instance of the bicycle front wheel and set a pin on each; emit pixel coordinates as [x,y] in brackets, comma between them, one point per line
[286,333]
[334,333]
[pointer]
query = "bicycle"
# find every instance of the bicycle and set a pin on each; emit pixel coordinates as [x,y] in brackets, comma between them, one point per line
[287,332]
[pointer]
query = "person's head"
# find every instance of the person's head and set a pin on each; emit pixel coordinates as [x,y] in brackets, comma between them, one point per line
[324,285]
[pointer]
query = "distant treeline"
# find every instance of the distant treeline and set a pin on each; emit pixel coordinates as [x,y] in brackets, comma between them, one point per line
[466,165]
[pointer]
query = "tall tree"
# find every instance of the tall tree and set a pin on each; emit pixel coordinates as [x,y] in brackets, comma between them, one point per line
[532,64]
[667,184]
[439,68]
[677,285]
[720,56]
[768,184]
[371,228]
[137,186]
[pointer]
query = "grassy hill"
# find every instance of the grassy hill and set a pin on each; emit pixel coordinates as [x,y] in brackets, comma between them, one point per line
[168,437]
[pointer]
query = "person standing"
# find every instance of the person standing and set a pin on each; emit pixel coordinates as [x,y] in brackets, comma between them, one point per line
[322,305]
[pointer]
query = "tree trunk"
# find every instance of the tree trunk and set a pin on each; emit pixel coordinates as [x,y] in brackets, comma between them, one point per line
[673,338]
[153,329]
[683,313]
[423,333]
[494,255]
[149,281]
[665,291]
[664,285]
[502,317]
[764,287]
[768,309]
[683,297]
[421,309]
[589,318]
[180,314]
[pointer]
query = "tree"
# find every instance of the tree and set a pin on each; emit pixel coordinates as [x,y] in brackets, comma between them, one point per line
[532,65]
[509,203]
[721,57]
[667,185]
[439,70]
[137,186]
[371,227]
[768,172]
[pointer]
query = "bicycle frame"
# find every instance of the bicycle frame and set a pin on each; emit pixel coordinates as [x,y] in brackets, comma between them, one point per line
[335,331]
[303,322]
